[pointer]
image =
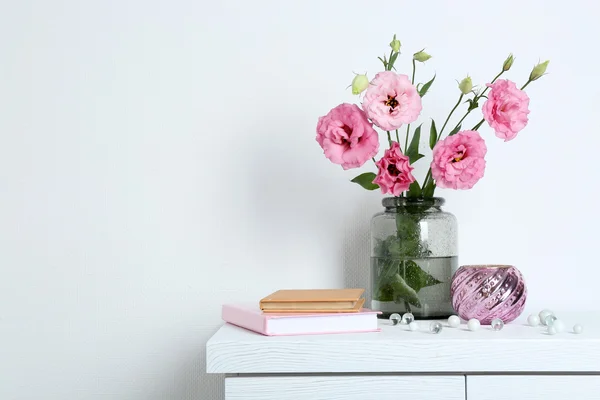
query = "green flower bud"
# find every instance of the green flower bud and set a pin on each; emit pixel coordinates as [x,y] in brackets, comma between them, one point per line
[508,63]
[395,44]
[539,70]
[359,83]
[466,85]
[421,56]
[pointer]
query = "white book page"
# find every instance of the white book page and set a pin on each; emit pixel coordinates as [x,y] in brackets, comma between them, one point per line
[325,324]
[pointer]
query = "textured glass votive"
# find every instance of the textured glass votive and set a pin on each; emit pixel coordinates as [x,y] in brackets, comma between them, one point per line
[487,292]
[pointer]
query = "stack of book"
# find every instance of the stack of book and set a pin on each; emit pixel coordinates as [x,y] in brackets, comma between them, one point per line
[304,312]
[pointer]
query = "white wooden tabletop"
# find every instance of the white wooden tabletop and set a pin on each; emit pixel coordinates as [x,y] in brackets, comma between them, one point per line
[516,348]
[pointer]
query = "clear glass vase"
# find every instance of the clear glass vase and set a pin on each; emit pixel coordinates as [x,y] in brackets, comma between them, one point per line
[414,248]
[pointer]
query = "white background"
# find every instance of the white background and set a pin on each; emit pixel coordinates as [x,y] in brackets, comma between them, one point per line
[158,158]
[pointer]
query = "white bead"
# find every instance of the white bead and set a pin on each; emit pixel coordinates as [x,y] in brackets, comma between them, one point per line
[473,324]
[544,314]
[533,320]
[559,326]
[413,326]
[454,321]
[552,330]
[577,328]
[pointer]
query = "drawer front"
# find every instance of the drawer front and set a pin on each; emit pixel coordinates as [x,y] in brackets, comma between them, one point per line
[548,387]
[345,387]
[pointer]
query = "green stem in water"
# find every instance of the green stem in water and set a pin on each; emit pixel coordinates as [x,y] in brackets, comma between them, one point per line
[407,305]
[389,138]
[397,137]
[406,140]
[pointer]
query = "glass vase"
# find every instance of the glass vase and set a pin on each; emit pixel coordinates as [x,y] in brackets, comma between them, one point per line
[414,248]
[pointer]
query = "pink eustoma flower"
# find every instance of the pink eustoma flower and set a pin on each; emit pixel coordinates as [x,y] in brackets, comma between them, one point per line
[395,173]
[347,137]
[506,109]
[391,100]
[458,160]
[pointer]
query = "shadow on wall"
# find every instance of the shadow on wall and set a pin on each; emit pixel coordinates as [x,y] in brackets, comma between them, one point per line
[303,204]
[357,246]
[293,205]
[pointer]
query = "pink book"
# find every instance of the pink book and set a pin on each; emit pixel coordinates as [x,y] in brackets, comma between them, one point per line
[272,324]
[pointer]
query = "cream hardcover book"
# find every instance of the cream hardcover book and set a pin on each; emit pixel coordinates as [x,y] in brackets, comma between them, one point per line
[313,300]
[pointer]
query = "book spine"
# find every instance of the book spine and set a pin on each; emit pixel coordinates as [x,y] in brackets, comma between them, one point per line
[242,318]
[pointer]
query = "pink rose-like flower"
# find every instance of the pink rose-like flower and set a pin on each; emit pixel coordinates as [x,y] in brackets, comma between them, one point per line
[395,172]
[391,100]
[347,137]
[458,161]
[506,109]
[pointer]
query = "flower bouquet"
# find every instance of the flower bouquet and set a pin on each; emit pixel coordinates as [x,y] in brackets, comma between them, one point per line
[404,258]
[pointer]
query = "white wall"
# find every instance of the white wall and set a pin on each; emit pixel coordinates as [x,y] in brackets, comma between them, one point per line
[157,159]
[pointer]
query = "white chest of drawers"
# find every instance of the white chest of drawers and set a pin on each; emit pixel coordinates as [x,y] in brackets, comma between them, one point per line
[519,362]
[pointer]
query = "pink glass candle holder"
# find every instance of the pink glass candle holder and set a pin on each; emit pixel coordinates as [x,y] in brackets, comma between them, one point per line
[487,292]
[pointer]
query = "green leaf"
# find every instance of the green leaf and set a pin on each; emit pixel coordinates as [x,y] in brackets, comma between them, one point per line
[384,270]
[407,241]
[383,61]
[433,134]
[400,248]
[401,289]
[426,87]
[366,180]
[416,278]
[414,190]
[400,280]
[413,148]
[380,249]
[429,189]
[455,130]
[407,228]
[384,293]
